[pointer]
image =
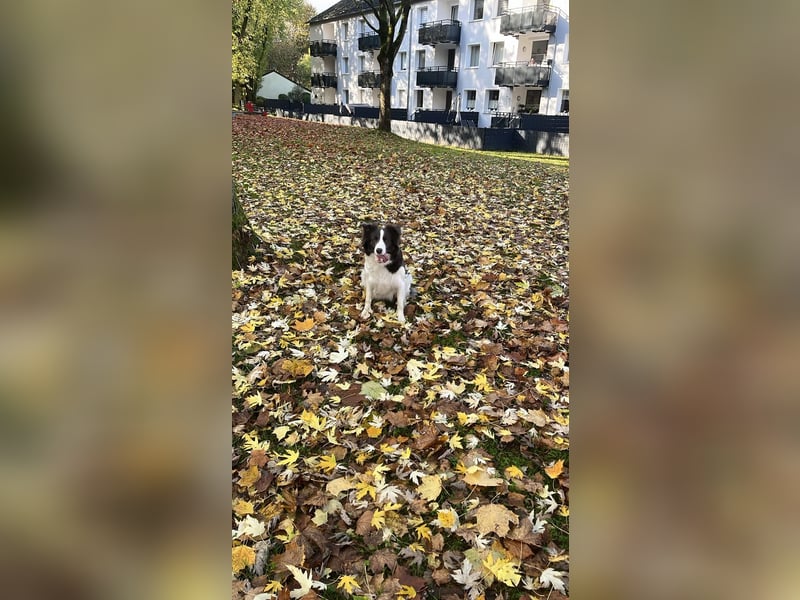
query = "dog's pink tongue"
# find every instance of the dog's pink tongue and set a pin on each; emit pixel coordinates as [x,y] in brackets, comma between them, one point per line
[382,258]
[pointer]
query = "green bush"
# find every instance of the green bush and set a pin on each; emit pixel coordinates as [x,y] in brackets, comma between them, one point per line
[283,97]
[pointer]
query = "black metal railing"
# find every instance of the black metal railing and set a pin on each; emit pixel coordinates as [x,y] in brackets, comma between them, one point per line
[523,74]
[527,20]
[369,79]
[445,117]
[442,77]
[369,41]
[546,123]
[323,80]
[323,47]
[447,31]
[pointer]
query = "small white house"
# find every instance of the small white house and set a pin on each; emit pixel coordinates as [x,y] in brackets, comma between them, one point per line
[273,84]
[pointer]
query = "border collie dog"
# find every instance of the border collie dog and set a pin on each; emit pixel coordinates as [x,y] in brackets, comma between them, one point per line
[384,276]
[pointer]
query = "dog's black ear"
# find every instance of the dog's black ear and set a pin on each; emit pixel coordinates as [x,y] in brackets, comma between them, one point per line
[395,231]
[367,228]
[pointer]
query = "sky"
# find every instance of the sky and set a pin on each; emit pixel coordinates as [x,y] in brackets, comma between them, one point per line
[321,5]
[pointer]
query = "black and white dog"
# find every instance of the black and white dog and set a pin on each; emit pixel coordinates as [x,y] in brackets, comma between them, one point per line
[384,276]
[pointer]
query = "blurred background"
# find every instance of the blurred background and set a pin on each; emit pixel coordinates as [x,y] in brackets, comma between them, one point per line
[114,286]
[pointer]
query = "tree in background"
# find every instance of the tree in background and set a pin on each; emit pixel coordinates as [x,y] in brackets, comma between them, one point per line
[287,53]
[256,26]
[392,18]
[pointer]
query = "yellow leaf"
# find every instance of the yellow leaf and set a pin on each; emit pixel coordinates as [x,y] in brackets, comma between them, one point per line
[563,510]
[242,507]
[378,519]
[248,477]
[303,325]
[423,532]
[554,470]
[482,383]
[513,472]
[494,518]
[328,463]
[337,486]
[479,476]
[504,570]
[248,327]
[297,367]
[273,586]
[289,458]
[243,556]
[406,591]
[374,432]
[349,584]
[254,400]
[280,432]
[365,488]
[455,441]
[430,488]
[448,519]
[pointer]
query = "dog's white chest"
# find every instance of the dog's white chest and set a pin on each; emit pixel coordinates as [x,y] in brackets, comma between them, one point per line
[383,284]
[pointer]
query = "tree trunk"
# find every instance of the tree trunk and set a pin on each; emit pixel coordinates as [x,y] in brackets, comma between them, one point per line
[385,116]
[244,240]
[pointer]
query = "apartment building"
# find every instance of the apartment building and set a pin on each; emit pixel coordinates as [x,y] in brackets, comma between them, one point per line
[482,58]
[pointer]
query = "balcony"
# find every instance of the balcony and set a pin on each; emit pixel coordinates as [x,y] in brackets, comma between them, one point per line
[528,20]
[369,79]
[440,32]
[323,48]
[522,74]
[437,77]
[370,41]
[323,80]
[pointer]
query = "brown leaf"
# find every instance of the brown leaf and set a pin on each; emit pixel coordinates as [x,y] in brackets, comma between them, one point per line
[441,576]
[494,518]
[364,523]
[383,559]
[294,555]
[427,437]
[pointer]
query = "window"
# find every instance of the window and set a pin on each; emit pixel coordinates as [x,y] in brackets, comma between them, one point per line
[362,26]
[566,49]
[470,100]
[423,15]
[419,98]
[362,63]
[502,7]
[346,96]
[345,65]
[403,94]
[345,31]
[474,55]
[454,12]
[477,10]
[492,99]
[564,101]
[403,61]
[497,52]
[420,59]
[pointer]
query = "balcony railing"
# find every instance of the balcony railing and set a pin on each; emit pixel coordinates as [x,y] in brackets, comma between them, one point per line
[440,32]
[323,80]
[323,48]
[437,77]
[528,20]
[522,74]
[369,79]
[370,41]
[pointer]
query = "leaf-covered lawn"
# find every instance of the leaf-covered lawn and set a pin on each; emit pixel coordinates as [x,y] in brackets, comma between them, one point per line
[373,459]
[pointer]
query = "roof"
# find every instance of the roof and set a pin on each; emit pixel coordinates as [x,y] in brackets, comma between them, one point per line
[345,8]
[286,78]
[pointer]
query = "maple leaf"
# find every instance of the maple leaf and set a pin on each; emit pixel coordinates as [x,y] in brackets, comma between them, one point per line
[305,581]
[348,583]
[243,556]
[555,469]
[494,518]
[503,570]
[513,472]
[249,476]
[466,576]
[423,532]
[304,325]
[289,458]
[430,488]
[378,519]
[552,578]
[242,507]
[327,463]
[249,526]
[364,488]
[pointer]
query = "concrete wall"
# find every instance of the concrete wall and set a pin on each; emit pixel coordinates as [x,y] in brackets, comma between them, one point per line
[473,138]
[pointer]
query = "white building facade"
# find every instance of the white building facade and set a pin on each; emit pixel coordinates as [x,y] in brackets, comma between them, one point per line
[477,58]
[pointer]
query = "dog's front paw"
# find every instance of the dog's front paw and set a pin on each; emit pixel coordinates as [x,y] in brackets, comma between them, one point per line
[365,313]
[401,317]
